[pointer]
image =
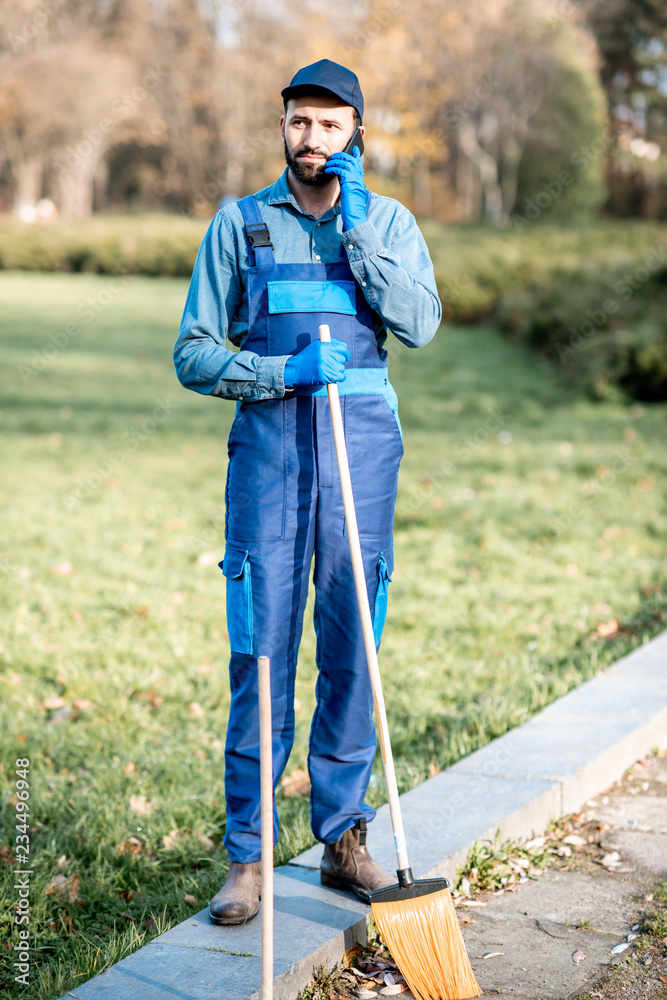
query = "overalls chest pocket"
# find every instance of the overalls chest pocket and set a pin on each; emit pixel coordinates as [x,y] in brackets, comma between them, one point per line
[296,309]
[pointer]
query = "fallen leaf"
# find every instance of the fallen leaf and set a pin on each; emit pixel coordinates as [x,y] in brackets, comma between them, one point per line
[574,840]
[297,783]
[608,628]
[64,568]
[632,937]
[393,990]
[465,918]
[168,842]
[611,860]
[128,916]
[618,948]
[140,805]
[196,710]
[65,923]
[389,979]
[62,861]
[131,846]
[493,954]
[350,954]
[53,702]
[577,957]
[81,704]
[189,898]
[472,902]
[564,851]
[129,769]
[364,994]
[536,842]
[65,886]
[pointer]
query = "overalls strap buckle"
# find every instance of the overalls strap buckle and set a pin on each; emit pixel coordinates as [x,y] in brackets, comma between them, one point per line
[257,234]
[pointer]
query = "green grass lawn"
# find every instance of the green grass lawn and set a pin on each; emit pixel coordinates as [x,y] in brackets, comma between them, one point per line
[527,518]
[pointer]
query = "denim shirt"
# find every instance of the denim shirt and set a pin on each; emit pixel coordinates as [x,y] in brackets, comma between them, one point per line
[388,257]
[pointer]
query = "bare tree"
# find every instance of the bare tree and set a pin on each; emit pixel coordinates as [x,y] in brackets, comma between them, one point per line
[503,81]
[58,111]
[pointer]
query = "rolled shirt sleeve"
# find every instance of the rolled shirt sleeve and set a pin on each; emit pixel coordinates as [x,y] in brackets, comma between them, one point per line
[397,280]
[203,362]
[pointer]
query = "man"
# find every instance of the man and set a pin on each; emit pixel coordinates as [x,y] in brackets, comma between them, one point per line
[315,247]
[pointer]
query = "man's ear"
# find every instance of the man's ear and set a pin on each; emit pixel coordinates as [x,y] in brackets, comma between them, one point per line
[282,127]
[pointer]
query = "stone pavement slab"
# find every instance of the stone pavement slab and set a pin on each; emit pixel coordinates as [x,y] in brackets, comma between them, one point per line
[166,972]
[539,771]
[198,960]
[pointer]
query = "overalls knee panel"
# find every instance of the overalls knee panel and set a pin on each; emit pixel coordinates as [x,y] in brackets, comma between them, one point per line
[283,506]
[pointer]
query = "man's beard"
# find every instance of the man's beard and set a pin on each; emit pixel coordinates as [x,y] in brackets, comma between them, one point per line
[311,174]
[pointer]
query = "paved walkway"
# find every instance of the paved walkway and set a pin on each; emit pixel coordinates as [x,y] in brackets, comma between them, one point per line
[582,905]
[547,768]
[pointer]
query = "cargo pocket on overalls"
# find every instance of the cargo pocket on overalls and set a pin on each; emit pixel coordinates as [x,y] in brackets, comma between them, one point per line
[381,594]
[236,570]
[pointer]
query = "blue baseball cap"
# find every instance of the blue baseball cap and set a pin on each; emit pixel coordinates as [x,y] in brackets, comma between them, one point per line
[328,76]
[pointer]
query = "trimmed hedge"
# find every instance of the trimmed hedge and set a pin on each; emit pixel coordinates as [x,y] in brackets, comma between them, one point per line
[593,299]
[112,244]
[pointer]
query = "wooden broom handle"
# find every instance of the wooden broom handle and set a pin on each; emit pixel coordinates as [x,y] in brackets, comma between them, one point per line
[365,615]
[266,800]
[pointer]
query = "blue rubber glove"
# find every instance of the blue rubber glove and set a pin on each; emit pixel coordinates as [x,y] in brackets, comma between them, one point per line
[350,172]
[317,364]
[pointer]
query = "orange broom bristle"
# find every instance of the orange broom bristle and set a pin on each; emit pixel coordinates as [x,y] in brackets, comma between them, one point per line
[424,938]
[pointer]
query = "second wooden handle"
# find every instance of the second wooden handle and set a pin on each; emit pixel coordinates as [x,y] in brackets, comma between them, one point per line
[266,800]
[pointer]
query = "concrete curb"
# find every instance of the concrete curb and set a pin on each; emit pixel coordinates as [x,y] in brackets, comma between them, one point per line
[548,767]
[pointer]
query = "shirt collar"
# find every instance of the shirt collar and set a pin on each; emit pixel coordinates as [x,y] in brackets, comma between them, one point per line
[280,194]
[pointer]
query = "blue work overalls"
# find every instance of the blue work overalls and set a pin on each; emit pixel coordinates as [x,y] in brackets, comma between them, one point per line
[283,504]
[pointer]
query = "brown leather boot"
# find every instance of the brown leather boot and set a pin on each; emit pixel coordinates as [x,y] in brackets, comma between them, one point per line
[348,865]
[238,900]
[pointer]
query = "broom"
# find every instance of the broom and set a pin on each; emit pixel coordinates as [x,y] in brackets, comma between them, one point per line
[416,919]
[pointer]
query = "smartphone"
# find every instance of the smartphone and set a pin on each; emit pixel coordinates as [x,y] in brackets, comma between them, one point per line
[357,141]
